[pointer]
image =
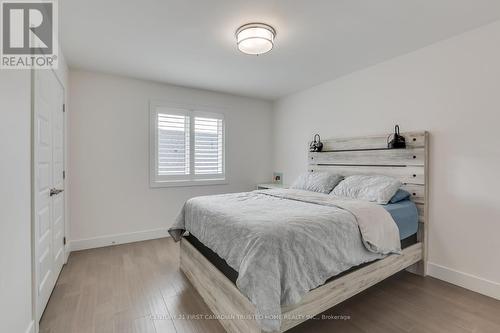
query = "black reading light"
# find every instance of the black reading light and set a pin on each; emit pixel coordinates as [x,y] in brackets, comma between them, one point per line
[398,141]
[316,145]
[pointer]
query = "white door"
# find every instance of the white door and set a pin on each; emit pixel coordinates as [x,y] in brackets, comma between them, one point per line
[48,183]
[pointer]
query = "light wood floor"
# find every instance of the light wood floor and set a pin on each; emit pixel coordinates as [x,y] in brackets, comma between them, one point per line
[139,288]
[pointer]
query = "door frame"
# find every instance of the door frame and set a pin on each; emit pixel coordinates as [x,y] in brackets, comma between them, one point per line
[34,287]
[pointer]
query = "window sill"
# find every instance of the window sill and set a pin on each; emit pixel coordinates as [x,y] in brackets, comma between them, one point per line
[182,183]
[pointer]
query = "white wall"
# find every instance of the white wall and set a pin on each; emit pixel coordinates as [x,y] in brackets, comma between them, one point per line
[451,89]
[15,201]
[109,161]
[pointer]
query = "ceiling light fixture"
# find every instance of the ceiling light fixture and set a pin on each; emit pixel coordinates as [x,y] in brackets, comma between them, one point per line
[255,38]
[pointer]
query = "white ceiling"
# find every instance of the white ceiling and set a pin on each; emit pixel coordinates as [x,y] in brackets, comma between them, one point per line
[192,43]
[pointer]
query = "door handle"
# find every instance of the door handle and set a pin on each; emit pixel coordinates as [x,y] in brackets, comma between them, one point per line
[54,191]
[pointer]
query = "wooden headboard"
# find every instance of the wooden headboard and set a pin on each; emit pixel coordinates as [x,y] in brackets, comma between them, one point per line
[369,155]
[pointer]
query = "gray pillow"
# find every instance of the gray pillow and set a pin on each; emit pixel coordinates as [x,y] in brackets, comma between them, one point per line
[374,188]
[322,182]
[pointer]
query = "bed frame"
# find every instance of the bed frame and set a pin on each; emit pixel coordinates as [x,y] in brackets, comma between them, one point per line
[348,156]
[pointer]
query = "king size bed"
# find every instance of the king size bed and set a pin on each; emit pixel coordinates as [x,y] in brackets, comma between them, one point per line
[267,260]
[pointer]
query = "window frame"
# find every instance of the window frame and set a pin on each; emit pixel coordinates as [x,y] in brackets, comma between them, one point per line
[192,179]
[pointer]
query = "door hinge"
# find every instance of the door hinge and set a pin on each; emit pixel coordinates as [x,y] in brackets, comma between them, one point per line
[64,174]
[64,107]
[64,240]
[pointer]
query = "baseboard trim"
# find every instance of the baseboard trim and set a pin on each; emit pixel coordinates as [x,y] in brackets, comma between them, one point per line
[31,327]
[131,237]
[465,280]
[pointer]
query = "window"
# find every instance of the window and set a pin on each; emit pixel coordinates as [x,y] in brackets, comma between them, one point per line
[187,146]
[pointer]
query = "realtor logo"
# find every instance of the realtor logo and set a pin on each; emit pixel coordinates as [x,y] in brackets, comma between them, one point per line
[29,34]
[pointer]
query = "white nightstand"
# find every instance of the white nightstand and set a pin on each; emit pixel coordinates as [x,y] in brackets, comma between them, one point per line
[269,186]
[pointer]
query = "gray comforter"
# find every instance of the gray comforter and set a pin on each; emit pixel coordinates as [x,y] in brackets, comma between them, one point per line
[284,243]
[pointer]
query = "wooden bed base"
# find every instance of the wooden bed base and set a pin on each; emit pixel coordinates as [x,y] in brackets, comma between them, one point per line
[365,155]
[235,311]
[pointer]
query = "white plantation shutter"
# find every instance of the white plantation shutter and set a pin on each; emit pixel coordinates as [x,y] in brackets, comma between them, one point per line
[208,146]
[186,147]
[173,144]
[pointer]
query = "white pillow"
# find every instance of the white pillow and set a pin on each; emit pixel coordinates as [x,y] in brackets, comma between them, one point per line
[322,182]
[375,188]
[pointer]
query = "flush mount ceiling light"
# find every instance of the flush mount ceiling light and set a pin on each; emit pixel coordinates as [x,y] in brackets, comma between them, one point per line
[255,38]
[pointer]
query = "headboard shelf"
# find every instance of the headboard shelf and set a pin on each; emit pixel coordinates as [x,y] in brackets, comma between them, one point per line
[413,140]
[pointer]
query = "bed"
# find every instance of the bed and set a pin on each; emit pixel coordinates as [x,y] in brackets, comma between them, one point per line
[404,213]
[215,279]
